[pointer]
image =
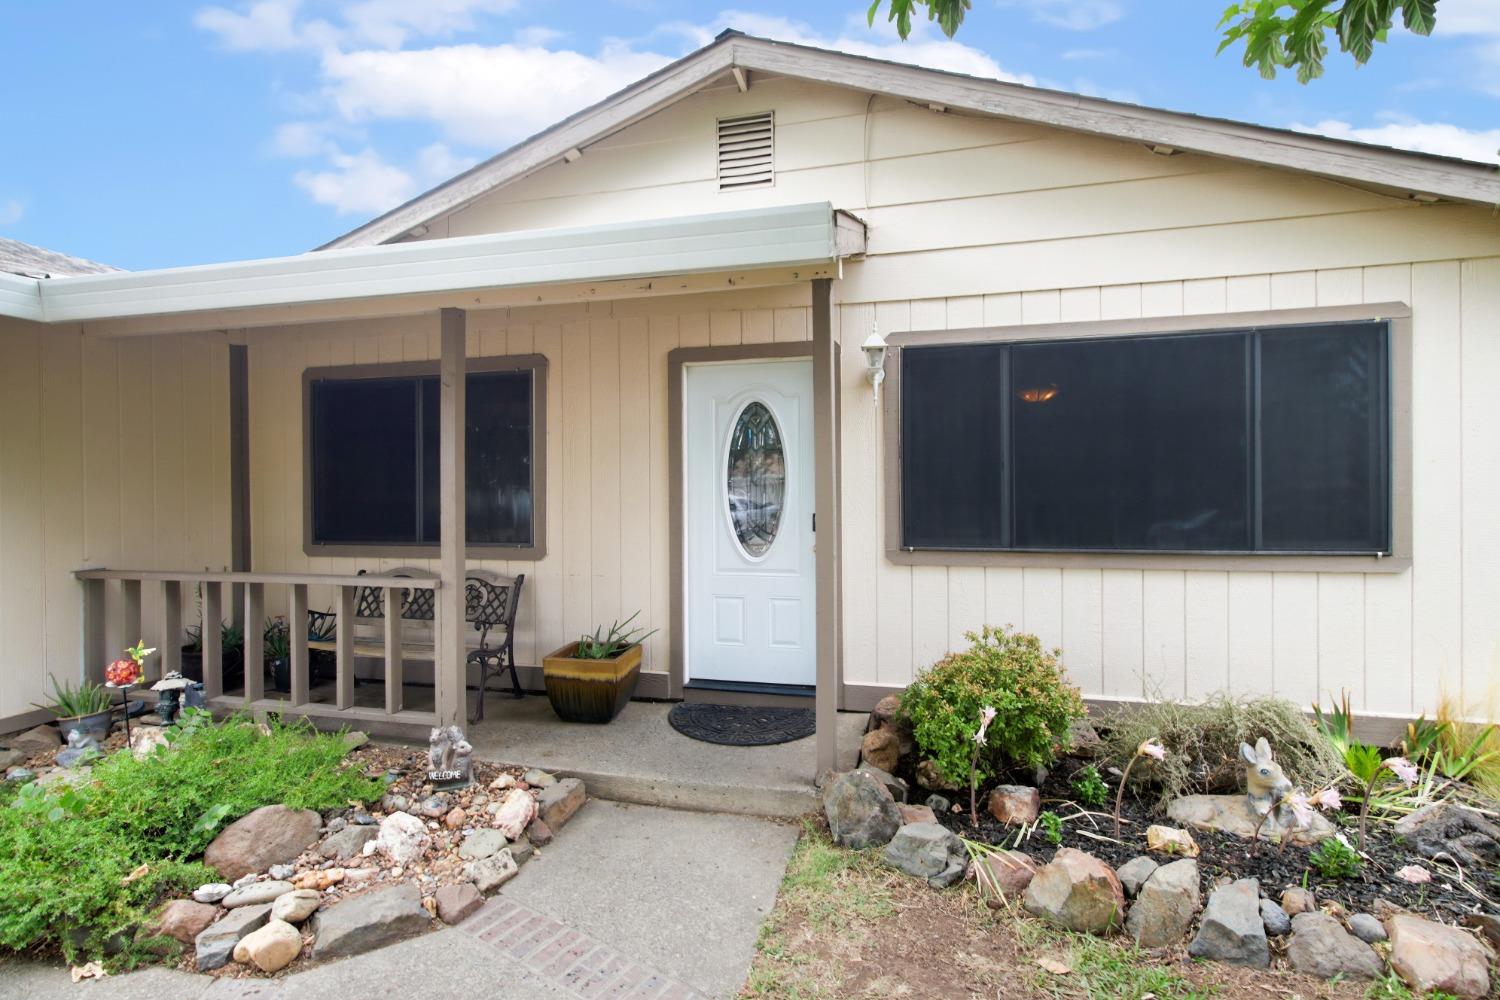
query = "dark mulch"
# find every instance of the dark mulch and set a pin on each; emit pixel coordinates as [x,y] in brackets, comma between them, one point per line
[1228,856]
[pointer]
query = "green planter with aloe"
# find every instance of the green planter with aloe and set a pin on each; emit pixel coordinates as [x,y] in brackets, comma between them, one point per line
[591,680]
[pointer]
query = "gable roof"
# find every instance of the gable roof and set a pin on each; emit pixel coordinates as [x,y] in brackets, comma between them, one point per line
[732,51]
[36,262]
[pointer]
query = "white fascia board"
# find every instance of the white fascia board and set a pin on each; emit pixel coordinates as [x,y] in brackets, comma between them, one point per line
[768,237]
[20,297]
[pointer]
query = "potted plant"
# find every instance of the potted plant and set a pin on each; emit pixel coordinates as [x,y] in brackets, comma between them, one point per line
[591,680]
[232,654]
[278,649]
[85,709]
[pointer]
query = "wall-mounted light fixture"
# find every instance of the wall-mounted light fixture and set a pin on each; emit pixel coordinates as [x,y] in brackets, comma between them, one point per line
[874,348]
[1038,394]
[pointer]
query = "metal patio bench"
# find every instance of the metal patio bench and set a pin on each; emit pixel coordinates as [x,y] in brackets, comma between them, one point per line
[490,605]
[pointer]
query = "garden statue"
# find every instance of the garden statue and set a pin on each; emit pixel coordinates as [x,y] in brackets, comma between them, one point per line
[82,747]
[169,691]
[1265,785]
[448,758]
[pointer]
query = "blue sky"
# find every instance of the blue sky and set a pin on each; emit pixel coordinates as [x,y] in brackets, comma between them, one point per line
[150,135]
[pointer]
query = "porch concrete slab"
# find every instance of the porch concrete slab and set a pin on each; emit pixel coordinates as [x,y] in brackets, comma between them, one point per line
[640,758]
[34,981]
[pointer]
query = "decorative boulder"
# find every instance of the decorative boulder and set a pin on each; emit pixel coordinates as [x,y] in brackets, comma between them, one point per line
[1298,900]
[271,948]
[1231,930]
[929,852]
[271,835]
[482,844]
[1367,928]
[860,811]
[1447,828]
[347,843]
[296,906]
[1004,876]
[256,893]
[1171,841]
[916,814]
[215,944]
[1165,906]
[492,872]
[539,833]
[1430,956]
[1321,947]
[402,838]
[928,776]
[887,709]
[457,902]
[371,920]
[1274,918]
[896,786]
[1015,804]
[881,748]
[514,810]
[182,920]
[1134,873]
[1231,814]
[1078,891]
[557,803]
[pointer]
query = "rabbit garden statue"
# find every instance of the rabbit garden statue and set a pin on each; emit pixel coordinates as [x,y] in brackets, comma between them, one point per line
[1264,782]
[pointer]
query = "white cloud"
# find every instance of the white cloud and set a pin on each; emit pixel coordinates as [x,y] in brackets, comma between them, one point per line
[1482,146]
[357,182]
[437,163]
[266,26]
[1072,15]
[11,211]
[1467,17]
[300,139]
[273,25]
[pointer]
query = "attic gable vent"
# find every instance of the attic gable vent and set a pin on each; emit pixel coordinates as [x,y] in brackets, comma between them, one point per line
[746,148]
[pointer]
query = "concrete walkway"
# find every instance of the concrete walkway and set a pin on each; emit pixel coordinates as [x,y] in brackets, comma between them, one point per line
[631,901]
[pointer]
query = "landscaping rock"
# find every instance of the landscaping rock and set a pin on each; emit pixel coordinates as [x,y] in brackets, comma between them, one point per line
[557,803]
[1078,891]
[881,748]
[347,843]
[1447,828]
[337,824]
[1486,923]
[1296,900]
[482,844]
[1231,930]
[896,786]
[928,777]
[521,851]
[455,819]
[212,892]
[282,871]
[354,739]
[1015,804]
[1274,918]
[256,893]
[537,778]
[271,948]
[1006,874]
[215,945]
[492,872]
[887,709]
[513,812]
[860,810]
[1231,814]
[1083,741]
[395,803]
[915,814]
[434,806]
[1367,928]
[12,758]
[538,832]
[402,838]
[1166,905]
[361,818]
[503,781]
[145,739]
[1134,873]
[296,906]
[1321,947]
[20,775]
[372,920]
[1171,841]
[939,803]
[270,835]
[928,851]
[1431,956]
[37,740]
[181,919]
[456,902]
[321,879]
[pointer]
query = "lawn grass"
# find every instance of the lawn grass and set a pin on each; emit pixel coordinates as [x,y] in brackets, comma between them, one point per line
[82,863]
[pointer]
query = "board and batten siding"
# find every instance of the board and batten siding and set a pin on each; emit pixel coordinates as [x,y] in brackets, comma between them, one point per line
[976,221]
[607,488]
[113,452]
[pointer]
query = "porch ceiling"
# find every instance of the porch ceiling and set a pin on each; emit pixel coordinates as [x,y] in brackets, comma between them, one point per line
[258,292]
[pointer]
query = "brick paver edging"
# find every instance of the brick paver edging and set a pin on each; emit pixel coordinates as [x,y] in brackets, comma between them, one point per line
[568,958]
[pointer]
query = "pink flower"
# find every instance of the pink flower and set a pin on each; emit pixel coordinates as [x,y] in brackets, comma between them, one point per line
[985,718]
[1403,769]
[1328,799]
[1413,874]
[1152,749]
[1301,807]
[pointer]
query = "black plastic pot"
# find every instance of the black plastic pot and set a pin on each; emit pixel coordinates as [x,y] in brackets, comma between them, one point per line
[281,673]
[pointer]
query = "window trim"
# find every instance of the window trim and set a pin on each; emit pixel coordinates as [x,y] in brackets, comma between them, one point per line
[1398,314]
[537,550]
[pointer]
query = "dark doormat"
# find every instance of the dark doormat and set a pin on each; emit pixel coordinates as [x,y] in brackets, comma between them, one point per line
[741,725]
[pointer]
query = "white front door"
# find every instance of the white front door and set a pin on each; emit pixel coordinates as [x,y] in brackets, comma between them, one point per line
[747,449]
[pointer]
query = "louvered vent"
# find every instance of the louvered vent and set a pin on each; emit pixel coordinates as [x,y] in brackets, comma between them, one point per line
[746,148]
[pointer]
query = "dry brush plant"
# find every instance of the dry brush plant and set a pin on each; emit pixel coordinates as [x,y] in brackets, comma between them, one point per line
[1202,744]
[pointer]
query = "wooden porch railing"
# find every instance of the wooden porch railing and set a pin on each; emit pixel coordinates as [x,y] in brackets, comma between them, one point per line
[104,634]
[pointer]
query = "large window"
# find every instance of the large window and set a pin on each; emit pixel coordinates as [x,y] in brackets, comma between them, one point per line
[374,459]
[1261,440]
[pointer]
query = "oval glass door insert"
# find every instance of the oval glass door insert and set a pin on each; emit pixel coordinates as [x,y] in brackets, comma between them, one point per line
[755,484]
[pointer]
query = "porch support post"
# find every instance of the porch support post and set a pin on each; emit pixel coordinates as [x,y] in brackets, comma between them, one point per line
[826,493]
[449,670]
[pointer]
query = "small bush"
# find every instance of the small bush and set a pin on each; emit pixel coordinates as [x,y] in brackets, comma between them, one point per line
[79,864]
[1333,859]
[1009,671]
[1051,827]
[1089,787]
[1203,744]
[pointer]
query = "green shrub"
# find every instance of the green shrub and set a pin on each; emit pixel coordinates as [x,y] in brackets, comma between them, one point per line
[1203,744]
[1089,787]
[1051,827]
[81,863]
[1333,859]
[1009,671]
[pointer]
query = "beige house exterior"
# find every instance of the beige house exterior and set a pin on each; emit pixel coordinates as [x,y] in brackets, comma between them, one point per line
[155,428]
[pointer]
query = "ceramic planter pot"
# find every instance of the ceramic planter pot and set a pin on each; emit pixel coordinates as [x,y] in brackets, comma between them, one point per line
[590,690]
[96,725]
